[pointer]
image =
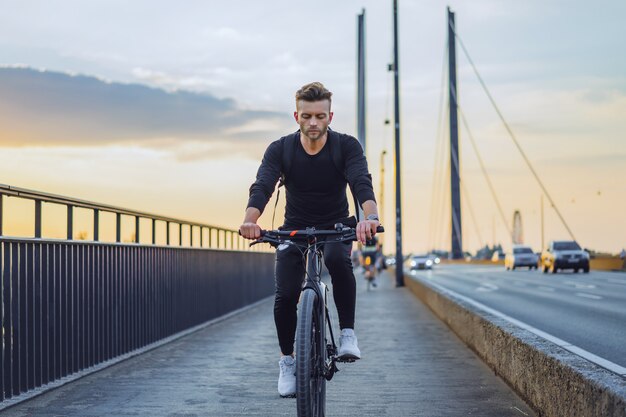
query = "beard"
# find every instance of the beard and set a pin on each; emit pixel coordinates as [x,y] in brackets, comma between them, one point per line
[315,134]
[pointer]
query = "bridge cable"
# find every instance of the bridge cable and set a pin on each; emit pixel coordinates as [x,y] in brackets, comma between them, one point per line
[440,193]
[444,181]
[506,125]
[466,198]
[438,149]
[484,171]
[446,212]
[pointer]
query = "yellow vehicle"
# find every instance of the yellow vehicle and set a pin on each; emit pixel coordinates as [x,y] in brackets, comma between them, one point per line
[564,254]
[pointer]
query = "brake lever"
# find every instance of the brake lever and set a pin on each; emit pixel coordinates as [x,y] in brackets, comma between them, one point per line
[265,239]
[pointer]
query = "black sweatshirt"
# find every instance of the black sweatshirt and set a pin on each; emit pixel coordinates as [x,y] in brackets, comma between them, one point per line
[316,189]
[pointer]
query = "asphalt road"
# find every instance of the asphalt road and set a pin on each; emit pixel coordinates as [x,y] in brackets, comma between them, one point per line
[586,310]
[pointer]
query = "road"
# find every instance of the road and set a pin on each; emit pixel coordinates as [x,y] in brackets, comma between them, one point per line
[586,310]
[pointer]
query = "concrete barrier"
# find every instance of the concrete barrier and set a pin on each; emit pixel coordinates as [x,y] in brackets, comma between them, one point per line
[552,380]
[607,264]
[601,263]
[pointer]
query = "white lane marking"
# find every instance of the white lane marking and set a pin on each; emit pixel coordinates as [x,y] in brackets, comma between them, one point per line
[593,297]
[611,366]
[517,409]
[487,287]
[580,284]
[551,289]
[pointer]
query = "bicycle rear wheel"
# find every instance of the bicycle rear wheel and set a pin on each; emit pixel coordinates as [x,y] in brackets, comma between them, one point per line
[310,359]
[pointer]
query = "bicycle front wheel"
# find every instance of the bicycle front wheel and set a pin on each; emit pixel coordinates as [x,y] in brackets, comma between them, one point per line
[310,360]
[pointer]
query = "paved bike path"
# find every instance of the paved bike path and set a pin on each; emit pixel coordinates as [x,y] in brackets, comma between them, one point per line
[412,366]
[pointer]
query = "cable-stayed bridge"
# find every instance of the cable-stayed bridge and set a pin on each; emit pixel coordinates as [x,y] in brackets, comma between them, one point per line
[171,317]
[178,321]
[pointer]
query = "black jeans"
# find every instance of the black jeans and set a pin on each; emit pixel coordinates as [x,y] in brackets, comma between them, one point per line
[290,269]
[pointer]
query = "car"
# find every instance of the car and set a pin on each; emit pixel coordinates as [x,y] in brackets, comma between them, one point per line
[520,255]
[564,254]
[497,256]
[423,261]
[436,259]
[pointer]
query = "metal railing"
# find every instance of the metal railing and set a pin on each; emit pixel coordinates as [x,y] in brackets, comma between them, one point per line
[69,305]
[217,237]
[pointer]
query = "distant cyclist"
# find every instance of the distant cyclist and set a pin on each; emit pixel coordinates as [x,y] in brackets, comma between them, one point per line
[316,197]
[370,259]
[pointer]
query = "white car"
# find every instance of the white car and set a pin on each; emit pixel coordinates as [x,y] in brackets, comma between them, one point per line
[436,260]
[519,256]
[421,262]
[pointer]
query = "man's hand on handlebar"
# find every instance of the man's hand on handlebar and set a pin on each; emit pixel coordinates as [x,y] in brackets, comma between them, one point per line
[250,230]
[366,229]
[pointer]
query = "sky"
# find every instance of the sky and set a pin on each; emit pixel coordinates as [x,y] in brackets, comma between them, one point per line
[167,107]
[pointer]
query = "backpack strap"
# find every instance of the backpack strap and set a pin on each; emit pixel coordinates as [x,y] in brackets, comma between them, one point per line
[336,152]
[288,154]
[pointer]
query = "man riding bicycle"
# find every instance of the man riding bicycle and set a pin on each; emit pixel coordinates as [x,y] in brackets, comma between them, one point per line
[316,197]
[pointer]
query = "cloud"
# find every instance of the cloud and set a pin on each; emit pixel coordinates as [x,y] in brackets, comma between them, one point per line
[45,108]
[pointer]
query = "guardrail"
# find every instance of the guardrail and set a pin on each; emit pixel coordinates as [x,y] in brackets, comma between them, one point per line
[208,237]
[70,307]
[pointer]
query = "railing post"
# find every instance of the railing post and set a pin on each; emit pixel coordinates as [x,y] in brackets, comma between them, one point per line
[154,231]
[167,233]
[38,219]
[70,222]
[201,230]
[118,227]
[136,229]
[191,235]
[1,201]
[96,225]
[180,234]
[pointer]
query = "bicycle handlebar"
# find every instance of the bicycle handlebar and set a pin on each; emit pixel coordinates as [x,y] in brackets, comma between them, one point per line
[340,234]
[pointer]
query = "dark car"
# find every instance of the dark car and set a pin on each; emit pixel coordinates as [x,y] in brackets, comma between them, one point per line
[564,254]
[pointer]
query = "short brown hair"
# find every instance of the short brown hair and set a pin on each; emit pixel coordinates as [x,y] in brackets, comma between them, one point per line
[314,91]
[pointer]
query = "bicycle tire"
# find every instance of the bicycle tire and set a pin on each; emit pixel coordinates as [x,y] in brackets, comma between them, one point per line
[310,358]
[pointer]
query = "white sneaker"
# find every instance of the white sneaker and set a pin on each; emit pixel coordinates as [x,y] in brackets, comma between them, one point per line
[287,377]
[348,348]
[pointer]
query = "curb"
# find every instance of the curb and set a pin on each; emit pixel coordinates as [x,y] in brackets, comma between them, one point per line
[552,380]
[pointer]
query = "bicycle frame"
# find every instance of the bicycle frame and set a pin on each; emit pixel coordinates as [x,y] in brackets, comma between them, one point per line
[313,281]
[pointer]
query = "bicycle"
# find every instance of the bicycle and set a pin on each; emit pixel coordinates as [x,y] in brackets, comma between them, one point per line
[316,358]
